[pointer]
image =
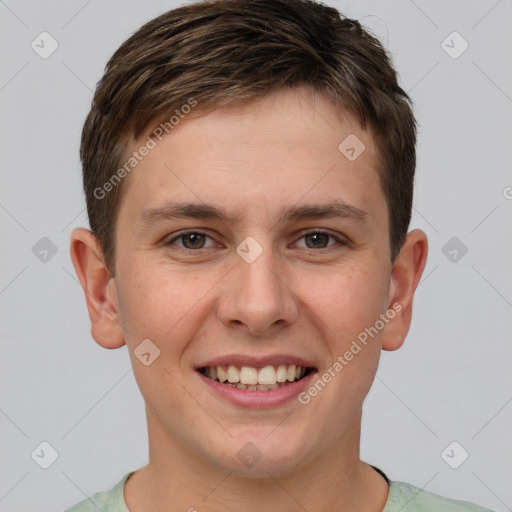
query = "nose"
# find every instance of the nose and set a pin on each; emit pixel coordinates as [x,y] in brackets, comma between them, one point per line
[257,298]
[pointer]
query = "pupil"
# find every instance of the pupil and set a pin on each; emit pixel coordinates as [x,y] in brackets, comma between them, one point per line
[194,238]
[315,236]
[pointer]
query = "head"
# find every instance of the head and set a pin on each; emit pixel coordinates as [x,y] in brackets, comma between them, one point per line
[276,133]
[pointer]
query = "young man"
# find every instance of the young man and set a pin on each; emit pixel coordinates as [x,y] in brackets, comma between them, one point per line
[248,169]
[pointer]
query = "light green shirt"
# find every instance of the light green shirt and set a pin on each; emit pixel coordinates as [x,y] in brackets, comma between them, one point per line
[402,497]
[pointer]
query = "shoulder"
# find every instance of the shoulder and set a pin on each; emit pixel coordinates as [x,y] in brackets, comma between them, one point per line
[109,501]
[92,504]
[408,498]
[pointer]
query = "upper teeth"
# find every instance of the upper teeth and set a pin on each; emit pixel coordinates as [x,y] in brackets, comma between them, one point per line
[248,375]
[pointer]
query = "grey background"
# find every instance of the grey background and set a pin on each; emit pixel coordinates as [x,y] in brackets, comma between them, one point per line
[449,382]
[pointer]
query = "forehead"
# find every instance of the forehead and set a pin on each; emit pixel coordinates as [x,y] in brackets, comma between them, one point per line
[290,147]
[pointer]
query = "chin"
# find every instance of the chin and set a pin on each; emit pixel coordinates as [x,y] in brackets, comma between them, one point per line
[252,457]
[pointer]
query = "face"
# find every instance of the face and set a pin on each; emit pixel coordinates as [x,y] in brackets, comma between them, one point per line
[250,248]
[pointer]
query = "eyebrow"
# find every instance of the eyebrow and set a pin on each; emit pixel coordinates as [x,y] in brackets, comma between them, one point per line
[333,209]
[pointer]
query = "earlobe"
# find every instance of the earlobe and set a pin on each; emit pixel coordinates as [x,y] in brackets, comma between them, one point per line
[97,285]
[405,276]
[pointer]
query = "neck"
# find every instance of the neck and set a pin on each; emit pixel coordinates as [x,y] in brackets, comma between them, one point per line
[336,479]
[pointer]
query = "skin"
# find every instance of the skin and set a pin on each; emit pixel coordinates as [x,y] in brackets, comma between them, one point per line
[296,298]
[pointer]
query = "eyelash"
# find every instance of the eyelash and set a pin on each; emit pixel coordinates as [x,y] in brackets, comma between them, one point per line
[306,233]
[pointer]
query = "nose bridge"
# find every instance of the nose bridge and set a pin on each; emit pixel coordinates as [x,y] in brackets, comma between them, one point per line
[260,280]
[259,297]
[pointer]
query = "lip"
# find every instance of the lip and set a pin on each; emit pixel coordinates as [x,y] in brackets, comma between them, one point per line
[258,399]
[256,362]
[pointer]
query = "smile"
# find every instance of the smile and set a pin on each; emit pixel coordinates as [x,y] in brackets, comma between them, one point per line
[267,378]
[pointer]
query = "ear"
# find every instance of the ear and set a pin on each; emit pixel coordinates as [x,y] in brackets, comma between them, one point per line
[405,276]
[99,289]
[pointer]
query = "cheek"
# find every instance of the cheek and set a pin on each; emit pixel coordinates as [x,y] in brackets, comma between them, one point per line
[161,303]
[350,304]
[348,300]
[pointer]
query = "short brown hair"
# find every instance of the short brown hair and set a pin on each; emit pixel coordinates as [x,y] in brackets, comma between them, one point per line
[221,51]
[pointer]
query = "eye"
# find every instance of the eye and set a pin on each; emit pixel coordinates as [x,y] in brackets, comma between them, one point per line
[195,240]
[320,239]
[190,240]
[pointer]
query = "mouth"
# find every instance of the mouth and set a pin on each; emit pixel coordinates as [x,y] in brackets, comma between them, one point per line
[249,378]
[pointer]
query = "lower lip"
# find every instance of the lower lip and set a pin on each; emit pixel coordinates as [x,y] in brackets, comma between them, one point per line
[258,399]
